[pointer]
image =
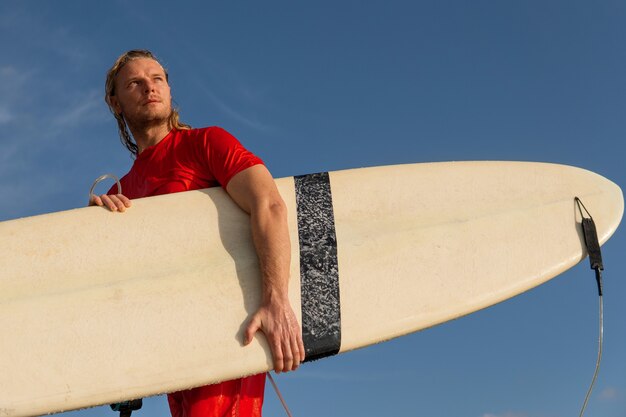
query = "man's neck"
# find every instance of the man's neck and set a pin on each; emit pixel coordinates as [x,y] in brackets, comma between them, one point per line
[146,136]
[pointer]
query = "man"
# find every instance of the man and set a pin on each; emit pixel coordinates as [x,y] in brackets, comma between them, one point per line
[171,157]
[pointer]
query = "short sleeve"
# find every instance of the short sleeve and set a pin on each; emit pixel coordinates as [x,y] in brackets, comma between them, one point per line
[226,156]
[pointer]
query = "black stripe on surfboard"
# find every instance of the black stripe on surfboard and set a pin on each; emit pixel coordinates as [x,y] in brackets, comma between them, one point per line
[319,272]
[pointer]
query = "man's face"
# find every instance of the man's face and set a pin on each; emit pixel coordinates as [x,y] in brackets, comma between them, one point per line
[142,94]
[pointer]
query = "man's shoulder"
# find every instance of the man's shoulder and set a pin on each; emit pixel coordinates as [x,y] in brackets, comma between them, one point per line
[207,137]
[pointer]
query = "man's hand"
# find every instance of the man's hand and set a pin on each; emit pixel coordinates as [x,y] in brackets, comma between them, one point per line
[114,202]
[282,331]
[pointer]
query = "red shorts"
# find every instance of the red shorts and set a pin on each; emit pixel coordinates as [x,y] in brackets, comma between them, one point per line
[240,397]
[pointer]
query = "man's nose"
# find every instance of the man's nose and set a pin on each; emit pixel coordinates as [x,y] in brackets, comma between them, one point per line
[149,86]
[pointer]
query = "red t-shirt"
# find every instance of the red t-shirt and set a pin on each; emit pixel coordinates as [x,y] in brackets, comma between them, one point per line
[190,160]
[186,160]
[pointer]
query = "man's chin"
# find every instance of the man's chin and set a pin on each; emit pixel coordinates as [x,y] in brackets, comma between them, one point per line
[148,120]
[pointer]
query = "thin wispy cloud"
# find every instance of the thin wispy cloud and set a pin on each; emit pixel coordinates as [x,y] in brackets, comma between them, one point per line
[230,111]
[73,50]
[13,91]
[5,115]
[85,107]
[610,394]
[14,76]
[255,96]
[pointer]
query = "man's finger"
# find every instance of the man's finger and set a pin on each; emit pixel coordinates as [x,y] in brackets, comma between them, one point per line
[125,200]
[253,327]
[119,204]
[288,361]
[295,351]
[277,353]
[301,349]
[108,202]
[94,200]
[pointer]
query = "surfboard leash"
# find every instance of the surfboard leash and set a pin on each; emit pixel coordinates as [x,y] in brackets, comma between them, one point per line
[592,244]
[280,397]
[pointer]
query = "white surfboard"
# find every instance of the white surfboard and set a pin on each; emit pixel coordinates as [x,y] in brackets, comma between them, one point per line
[99,307]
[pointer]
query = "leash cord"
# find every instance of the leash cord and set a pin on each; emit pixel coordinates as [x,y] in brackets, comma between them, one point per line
[595,374]
[280,397]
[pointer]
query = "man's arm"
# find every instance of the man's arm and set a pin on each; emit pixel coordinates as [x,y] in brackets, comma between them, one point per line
[254,190]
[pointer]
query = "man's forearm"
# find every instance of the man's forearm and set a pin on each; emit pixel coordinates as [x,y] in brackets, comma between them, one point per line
[270,235]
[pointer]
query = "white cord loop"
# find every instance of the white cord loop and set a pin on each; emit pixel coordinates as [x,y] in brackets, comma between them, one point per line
[102,178]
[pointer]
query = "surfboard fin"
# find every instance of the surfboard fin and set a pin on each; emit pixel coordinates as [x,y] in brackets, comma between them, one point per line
[126,408]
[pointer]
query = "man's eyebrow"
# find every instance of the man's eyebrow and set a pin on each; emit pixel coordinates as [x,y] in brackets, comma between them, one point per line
[135,77]
[132,78]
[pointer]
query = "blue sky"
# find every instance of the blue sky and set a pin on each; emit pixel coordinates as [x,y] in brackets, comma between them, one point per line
[332,85]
